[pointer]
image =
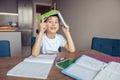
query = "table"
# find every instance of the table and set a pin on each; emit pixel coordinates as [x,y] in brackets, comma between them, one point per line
[8,63]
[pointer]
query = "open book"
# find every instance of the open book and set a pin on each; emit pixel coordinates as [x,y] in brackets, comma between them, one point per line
[53,12]
[33,67]
[88,68]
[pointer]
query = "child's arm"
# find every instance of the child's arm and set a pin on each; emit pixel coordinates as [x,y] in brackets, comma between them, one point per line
[69,45]
[37,47]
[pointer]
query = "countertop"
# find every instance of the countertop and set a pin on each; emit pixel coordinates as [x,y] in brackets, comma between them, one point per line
[8,28]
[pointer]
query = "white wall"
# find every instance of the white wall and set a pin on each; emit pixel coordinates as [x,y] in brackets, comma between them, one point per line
[89,18]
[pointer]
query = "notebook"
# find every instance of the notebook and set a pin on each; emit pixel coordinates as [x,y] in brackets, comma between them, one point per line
[33,67]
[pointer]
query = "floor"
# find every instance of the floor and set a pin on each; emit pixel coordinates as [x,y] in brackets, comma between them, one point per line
[26,50]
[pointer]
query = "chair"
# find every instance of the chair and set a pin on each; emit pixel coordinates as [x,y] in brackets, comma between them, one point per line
[33,41]
[4,48]
[106,45]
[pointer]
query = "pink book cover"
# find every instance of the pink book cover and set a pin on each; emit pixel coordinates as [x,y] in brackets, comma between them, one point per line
[105,58]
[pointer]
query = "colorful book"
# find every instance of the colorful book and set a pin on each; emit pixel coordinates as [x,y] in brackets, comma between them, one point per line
[65,63]
[89,68]
[53,12]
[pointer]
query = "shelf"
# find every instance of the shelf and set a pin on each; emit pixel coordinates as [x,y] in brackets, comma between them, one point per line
[12,14]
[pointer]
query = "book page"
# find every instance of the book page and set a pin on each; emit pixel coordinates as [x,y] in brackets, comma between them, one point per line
[80,72]
[113,67]
[41,59]
[111,72]
[90,62]
[62,20]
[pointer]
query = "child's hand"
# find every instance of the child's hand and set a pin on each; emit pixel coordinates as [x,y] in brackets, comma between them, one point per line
[65,29]
[43,26]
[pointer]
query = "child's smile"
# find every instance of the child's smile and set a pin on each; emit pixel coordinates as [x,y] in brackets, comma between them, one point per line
[52,24]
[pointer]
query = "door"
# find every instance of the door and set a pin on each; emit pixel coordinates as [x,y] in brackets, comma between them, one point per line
[38,10]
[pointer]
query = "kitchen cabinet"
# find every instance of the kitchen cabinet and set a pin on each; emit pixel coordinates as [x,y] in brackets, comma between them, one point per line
[8,6]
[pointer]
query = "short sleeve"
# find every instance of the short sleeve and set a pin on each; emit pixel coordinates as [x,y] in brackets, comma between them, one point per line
[63,41]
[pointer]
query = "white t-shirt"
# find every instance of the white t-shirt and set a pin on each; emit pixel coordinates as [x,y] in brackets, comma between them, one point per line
[52,45]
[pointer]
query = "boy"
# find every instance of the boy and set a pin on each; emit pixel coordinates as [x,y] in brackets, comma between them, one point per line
[48,40]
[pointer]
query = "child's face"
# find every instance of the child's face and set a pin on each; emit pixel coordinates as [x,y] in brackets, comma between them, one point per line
[52,24]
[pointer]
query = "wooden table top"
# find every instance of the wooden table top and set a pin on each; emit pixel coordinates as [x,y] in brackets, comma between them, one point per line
[8,63]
